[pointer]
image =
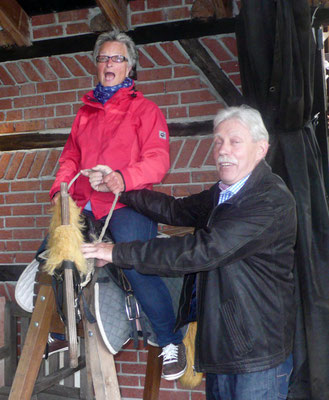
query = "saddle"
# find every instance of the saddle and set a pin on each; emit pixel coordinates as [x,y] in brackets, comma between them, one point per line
[118,314]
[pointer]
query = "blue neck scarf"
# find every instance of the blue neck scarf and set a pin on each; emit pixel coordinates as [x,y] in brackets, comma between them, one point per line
[104,93]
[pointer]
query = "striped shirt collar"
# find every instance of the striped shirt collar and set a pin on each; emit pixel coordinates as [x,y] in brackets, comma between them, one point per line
[228,191]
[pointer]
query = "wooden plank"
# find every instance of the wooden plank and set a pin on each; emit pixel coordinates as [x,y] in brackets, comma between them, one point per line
[115,11]
[15,22]
[10,341]
[36,339]
[153,373]
[219,80]
[163,32]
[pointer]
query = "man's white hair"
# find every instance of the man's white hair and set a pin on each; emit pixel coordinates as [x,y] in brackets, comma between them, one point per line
[248,116]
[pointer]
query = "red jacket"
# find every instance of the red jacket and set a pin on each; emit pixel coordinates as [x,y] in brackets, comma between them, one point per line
[129,134]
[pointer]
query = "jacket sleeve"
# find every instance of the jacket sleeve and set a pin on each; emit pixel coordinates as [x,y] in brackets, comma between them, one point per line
[153,140]
[68,163]
[231,236]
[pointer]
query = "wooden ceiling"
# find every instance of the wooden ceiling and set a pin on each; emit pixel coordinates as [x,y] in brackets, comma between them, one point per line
[15,16]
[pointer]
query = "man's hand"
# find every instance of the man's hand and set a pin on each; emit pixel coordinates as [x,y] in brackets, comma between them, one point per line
[96,177]
[101,251]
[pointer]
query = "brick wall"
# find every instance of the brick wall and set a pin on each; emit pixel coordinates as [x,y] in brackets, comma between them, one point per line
[43,95]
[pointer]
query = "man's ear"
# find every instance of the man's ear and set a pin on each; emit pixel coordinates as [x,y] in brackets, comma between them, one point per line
[263,146]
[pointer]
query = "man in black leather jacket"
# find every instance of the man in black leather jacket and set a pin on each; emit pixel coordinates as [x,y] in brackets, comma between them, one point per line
[239,262]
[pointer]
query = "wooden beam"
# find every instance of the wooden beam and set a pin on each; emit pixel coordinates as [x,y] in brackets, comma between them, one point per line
[169,31]
[34,140]
[115,12]
[219,80]
[15,22]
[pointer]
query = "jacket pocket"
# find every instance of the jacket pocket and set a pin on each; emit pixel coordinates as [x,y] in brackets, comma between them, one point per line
[236,330]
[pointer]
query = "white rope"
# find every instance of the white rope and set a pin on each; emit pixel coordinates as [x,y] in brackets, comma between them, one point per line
[107,221]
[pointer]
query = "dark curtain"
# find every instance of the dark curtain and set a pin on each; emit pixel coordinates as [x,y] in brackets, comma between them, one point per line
[276,47]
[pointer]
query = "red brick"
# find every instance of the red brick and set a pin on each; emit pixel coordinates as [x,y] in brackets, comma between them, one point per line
[198,395]
[26,165]
[4,187]
[148,17]
[77,29]
[230,66]
[230,43]
[201,153]
[176,177]
[42,198]
[40,112]
[33,209]
[29,126]
[204,176]
[25,186]
[25,258]
[87,64]
[5,78]
[76,83]
[148,88]
[175,146]
[14,222]
[2,116]
[60,123]
[58,67]
[157,55]
[184,84]
[31,245]
[10,91]
[48,32]
[13,245]
[63,110]
[178,13]
[38,164]
[182,191]
[30,72]
[74,15]
[155,74]
[184,71]
[128,380]
[19,198]
[204,109]
[163,3]
[186,152]
[27,89]
[16,115]
[177,112]
[6,258]
[45,87]
[73,66]
[133,393]
[144,61]
[236,79]
[7,128]
[45,19]
[127,356]
[163,189]
[137,5]
[174,53]
[47,184]
[67,97]
[210,160]
[197,96]
[5,104]
[217,49]
[42,222]
[51,163]
[27,233]
[16,73]
[166,99]
[44,69]
[14,166]
[28,101]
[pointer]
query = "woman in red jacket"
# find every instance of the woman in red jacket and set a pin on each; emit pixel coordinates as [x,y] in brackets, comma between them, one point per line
[119,130]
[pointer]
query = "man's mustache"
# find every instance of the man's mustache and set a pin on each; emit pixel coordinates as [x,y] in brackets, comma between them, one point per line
[225,159]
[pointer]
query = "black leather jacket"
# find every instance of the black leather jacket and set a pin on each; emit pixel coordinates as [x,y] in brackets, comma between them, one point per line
[242,253]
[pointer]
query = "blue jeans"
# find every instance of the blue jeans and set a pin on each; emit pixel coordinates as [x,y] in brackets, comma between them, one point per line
[271,384]
[126,225]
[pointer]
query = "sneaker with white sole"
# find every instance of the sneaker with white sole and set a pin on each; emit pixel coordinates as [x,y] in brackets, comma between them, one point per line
[174,361]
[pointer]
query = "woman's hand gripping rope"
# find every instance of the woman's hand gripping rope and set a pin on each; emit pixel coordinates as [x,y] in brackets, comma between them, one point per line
[103,179]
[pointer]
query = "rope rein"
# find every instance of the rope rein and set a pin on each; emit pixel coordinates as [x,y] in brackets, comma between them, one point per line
[107,221]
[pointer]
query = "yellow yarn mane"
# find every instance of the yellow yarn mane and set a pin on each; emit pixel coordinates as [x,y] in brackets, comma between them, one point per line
[65,240]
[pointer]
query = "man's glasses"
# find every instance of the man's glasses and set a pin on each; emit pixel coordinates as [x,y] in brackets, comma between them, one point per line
[117,58]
